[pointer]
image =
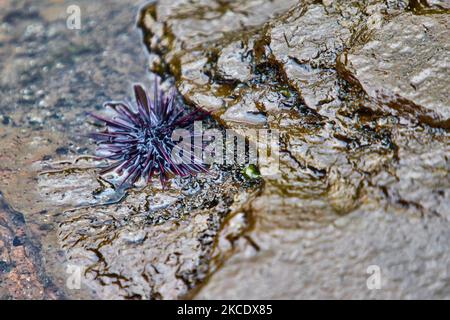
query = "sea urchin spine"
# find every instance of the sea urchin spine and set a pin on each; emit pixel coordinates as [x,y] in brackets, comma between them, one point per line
[139,142]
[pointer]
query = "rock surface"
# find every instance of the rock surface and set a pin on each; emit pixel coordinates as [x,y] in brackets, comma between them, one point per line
[50,77]
[406,68]
[358,182]
[146,243]
[350,167]
[21,273]
[97,242]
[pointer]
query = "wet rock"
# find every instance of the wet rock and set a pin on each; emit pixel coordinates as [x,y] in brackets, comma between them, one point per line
[147,243]
[306,44]
[405,65]
[341,152]
[22,275]
[193,23]
[355,184]
[333,262]
[308,39]
[421,185]
[378,231]
[109,232]
[430,6]
[45,66]
[245,112]
[50,77]
[208,59]
[231,64]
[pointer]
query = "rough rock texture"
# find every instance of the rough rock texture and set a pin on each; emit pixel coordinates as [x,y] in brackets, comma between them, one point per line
[402,228]
[193,23]
[359,184]
[21,272]
[332,262]
[406,68]
[430,6]
[137,244]
[50,77]
[305,44]
[216,65]
[145,243]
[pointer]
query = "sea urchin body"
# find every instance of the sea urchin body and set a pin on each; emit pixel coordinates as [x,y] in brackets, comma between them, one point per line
[139,142]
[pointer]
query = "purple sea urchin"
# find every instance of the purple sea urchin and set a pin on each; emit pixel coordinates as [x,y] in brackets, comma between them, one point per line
[140,141]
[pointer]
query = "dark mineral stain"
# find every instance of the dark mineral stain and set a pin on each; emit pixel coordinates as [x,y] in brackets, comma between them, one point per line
[6,120]
[17,241]
[5,267]
[62,150]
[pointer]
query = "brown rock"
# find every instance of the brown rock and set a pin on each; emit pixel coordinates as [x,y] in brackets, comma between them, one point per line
[405,65]
[21,272]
